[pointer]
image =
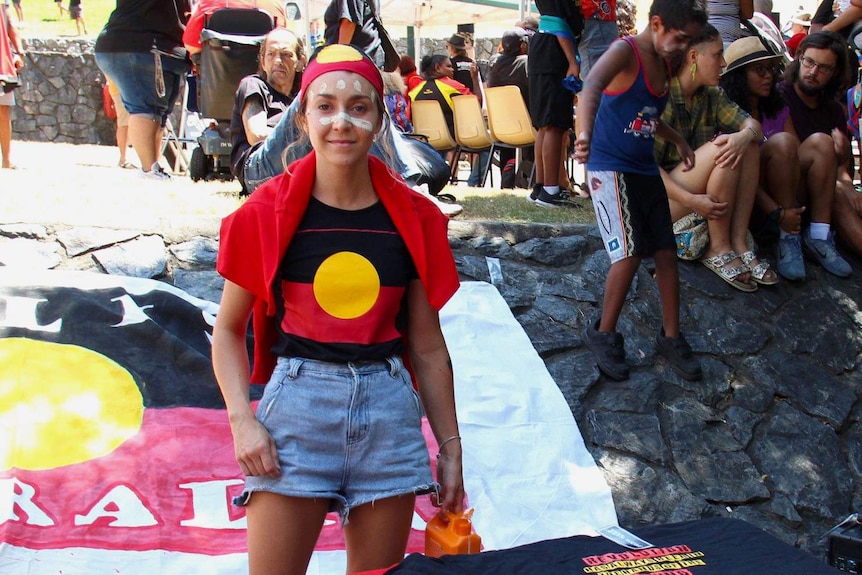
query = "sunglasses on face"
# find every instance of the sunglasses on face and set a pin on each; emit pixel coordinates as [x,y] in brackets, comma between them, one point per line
[765,70]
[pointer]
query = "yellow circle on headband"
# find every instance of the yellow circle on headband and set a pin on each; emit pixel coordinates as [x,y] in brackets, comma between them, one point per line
[338,53]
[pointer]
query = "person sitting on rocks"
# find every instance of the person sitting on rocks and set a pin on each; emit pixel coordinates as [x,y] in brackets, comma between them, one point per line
[818,73]
[722,185]
[751,79]
[262,98]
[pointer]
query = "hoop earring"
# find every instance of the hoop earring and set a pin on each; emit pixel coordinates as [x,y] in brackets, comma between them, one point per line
[693,70]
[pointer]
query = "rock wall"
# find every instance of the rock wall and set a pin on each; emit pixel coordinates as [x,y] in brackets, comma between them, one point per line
[772,435]
[60,99]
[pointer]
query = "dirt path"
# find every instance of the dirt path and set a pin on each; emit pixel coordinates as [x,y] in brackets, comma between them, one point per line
[82,185]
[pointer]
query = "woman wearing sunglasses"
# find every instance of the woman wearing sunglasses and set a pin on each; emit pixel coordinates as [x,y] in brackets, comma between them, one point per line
[750,80]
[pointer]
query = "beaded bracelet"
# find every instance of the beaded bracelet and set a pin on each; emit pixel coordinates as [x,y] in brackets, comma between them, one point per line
[440,447]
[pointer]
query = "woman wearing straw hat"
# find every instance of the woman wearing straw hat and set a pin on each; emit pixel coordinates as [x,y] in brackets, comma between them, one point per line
[722,185]
[750,80]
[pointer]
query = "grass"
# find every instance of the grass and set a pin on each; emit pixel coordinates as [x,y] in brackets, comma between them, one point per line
[487,204]
[42,18]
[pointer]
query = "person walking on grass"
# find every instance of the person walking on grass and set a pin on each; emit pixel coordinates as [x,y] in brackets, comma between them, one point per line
[11,62]
[618,118]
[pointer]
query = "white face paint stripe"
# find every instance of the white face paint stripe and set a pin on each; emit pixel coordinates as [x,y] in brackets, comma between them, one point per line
[358,122]
[357,86]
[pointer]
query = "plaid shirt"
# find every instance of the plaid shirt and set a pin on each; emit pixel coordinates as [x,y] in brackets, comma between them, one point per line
[712,112]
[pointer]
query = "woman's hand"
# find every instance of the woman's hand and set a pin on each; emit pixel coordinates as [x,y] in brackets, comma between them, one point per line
[731,148]
[254,448]
[451,479]
[707,207]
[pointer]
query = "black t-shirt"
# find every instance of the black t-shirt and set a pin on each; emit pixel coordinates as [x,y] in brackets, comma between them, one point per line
[824,14]
[509,70]
[135,25]
[808,121]
[546,56]
[273,101]
[365,37]
[462,66]
[342,285]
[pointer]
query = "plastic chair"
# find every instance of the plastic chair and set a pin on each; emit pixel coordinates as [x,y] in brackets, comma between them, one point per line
[471,135]
[508,119]
[428,120]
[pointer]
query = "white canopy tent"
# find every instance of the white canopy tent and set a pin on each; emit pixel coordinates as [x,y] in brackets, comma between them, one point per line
[437,16]
[420,13]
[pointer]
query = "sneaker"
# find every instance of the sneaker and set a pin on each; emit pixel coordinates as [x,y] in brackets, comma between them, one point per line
[678,353]
[608,351]
[534,193]
[450,210]
[558,200]
[790,264]
[824,252]
[156,173]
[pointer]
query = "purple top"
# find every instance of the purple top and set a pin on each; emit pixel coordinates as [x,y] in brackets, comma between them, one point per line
[775,124]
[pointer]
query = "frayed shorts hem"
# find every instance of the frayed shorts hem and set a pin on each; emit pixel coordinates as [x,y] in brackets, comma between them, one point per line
[338,503]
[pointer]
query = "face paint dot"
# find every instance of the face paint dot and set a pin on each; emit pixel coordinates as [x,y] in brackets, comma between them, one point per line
[340,85]
[357,85]
[323,87]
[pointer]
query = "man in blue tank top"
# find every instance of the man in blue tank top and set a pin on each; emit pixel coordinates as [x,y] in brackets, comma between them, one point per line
[618,117]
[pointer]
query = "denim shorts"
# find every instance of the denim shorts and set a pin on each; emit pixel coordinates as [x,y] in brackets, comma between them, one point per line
[597,36]
[134,75]
[350,433]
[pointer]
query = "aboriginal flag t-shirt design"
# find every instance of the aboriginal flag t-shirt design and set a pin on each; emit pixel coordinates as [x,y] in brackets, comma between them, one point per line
[341,286]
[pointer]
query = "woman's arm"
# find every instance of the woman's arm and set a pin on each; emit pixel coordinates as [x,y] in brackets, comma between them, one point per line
[746,9]
[254,447]
[846,18]
[432,366]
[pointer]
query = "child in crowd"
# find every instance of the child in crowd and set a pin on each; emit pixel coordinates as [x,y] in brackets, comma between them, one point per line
[615,137]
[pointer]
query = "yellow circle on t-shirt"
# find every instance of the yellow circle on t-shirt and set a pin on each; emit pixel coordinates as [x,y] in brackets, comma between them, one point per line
[346,285]
[62,404]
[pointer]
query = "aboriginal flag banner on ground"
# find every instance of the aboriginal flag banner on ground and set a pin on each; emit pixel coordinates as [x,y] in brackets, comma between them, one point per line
[116,454]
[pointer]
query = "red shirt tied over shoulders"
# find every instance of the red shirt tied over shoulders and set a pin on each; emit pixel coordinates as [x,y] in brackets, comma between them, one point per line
[203,8]
[253,240]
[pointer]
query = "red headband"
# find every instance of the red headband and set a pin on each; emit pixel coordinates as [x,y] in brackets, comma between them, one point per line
[339,57]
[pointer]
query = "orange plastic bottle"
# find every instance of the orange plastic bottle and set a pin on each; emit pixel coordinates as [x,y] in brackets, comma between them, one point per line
[452,538]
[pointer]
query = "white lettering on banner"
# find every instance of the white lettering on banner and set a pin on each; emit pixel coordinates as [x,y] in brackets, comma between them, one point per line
[130,511]
[207,515]
[14,493]
[21,312]
[132,312]
[210,506]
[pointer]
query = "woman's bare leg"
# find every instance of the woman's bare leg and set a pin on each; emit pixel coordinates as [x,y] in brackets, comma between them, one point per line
[282,532]
[376,534]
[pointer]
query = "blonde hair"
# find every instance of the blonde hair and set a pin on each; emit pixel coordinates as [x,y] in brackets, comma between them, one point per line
[393,82]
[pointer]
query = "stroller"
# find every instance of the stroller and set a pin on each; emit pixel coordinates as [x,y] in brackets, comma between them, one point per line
[230,42]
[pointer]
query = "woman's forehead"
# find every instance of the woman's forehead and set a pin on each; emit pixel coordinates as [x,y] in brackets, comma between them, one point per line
[337,81]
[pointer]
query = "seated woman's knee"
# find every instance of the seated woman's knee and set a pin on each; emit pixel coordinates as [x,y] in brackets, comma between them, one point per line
[783,146]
